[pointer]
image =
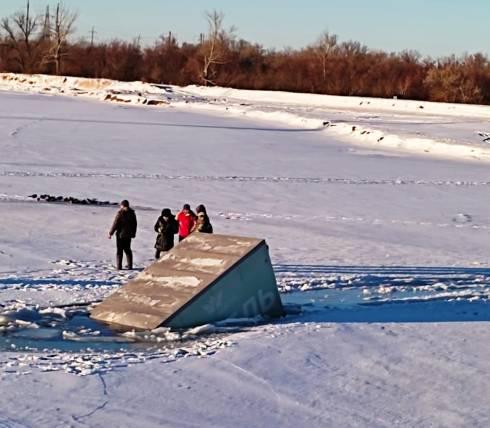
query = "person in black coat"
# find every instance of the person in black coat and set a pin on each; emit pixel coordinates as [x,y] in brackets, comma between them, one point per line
[166,227]
[124,226]
[203,224]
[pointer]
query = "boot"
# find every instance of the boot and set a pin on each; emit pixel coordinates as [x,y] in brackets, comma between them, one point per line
[119,262]
[129,258]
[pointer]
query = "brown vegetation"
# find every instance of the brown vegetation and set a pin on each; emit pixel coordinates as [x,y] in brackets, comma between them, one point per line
[42,44]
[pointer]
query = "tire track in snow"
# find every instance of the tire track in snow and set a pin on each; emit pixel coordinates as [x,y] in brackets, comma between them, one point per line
[247,179]
[349,219]
[41,119]
[249,216]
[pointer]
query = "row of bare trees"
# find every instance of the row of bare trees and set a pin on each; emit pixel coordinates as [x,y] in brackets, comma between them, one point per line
[42,44]
[33,43]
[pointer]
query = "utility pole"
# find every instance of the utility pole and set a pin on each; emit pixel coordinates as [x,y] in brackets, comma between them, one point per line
[46,33]
[92,37]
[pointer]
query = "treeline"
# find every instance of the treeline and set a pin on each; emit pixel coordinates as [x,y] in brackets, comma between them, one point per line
[43,44]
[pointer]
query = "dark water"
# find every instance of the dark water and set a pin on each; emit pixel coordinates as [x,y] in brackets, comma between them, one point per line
[407,305]
[73,334]
[78,333]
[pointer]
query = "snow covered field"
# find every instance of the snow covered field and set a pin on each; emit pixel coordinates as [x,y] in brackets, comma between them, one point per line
[384,243]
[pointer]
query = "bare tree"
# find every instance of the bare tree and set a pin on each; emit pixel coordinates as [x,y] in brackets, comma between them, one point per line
[325,47]
[21,38]
[63,25]
[451,81]
[214,44]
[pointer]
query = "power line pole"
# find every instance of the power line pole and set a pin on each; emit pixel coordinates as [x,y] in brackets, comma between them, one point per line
[92,37]
[46,32]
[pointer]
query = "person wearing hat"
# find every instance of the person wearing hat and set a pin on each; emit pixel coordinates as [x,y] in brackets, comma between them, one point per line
[203,224]
[186,219]
[165,227]
[124,226]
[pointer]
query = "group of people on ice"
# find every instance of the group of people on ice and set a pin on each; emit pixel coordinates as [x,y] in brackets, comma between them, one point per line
[166,227]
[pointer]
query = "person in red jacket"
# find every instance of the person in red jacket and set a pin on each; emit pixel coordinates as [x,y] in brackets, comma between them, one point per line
[187,220]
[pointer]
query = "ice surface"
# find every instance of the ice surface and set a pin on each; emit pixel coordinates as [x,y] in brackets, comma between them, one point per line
[383,248]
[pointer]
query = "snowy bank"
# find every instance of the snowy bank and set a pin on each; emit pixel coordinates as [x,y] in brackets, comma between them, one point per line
[443,130]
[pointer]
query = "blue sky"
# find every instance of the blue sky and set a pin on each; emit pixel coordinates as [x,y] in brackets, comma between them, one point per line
[433,27]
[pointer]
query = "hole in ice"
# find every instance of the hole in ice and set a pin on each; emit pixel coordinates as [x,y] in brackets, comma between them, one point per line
[72,330]
[391,303]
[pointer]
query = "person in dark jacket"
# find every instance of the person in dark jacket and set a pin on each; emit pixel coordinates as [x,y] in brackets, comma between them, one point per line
[124,226]
[166,227]
[203,224]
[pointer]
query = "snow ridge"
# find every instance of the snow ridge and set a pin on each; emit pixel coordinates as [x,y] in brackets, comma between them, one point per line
[349,118]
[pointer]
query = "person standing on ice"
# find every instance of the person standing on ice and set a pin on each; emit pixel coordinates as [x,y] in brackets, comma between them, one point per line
[166,227]
[203,224]
[124,226]
[187,220]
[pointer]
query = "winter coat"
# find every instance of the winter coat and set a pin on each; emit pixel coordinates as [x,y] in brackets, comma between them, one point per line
[166,227]
[125,224]
[186,223]
[203,224]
